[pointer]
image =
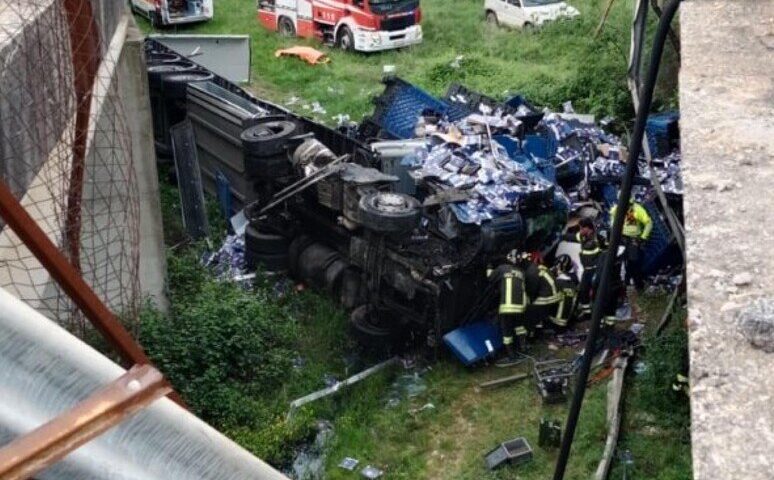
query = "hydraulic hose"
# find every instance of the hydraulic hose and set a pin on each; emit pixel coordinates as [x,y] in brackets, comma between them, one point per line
[635,148]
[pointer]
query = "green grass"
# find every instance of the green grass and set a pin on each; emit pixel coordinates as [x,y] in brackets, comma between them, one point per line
[562,61]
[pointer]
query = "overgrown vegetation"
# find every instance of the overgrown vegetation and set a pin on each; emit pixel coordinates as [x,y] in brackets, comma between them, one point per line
[559,62]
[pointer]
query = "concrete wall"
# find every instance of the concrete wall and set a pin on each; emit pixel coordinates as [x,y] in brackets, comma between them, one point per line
[727,130]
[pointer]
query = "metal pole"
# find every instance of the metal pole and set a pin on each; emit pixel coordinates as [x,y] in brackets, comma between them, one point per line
[105,408]
[84,43]
[635,147]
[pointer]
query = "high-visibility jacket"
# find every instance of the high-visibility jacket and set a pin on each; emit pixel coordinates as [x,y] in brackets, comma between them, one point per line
[568,290]
[637,223]
[541,287]
[513,295]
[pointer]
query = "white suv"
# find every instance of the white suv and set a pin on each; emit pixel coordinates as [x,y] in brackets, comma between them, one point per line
[521,13]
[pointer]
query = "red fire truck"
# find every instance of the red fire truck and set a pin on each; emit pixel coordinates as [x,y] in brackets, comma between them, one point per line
[363,25]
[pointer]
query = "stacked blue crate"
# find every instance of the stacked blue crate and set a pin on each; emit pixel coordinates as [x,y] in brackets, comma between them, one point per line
[663,132]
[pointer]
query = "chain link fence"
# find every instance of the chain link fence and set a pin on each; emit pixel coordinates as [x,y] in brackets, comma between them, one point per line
[65,152]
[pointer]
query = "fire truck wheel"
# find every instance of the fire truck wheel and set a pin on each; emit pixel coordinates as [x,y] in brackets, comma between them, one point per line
[345,40]
[285,27]
[269,136]
[389,212]
[491,18]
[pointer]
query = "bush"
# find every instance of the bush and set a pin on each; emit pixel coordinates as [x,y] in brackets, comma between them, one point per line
[224,349]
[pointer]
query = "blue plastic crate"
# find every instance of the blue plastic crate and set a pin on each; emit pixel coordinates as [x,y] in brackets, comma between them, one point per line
[473,343]
[657,252]
[224,194]
[663,132]
[401,104]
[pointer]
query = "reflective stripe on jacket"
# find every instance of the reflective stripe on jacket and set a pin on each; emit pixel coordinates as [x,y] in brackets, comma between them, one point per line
[547,293]
[513,296]
[568,290]
[637,222]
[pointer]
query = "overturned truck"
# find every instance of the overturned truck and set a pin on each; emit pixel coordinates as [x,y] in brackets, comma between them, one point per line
[399,230]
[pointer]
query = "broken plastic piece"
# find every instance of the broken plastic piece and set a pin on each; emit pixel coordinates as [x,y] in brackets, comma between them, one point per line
[349,463]
[371,472]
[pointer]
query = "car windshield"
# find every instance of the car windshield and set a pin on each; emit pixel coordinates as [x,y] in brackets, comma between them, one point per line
[536,3]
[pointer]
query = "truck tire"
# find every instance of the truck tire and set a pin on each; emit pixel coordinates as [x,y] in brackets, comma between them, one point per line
[367,328]
[271,262]
[285,27]
[344,39]
[260,242]
[156,58]
[491,18]
[277,166]
[298,245]
[269,137]
[175,85]
[389,212]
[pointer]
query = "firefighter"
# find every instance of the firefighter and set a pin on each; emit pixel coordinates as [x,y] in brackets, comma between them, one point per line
[615,294]
[636,231]
[513,306]
[543,295]
[567,286]
[592,245]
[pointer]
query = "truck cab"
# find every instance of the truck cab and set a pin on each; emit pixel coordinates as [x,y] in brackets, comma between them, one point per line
[527,13]
[362,25]
[163,13]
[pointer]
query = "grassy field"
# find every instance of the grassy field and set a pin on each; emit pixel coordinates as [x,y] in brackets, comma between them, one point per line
[560,62]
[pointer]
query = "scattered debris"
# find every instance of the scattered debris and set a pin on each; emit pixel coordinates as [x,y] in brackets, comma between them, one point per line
[307,54]
[427,406]
[371,472]
[335,387]
[550,433]
[514,452]
[552,379]
[317,108]
[349,463]
[309,463]
[498,382]
[742,279]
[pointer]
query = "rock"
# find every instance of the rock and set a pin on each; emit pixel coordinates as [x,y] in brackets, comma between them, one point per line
[756,322]
[742,279]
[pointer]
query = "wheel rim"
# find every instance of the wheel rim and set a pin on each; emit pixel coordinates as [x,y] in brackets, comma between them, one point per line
[346,42]
[286,29]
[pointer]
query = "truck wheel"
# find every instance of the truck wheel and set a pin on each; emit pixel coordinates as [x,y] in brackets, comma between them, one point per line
[491,18]
[297,246]
[259,242]
[286,28]
[365,323]
[272,262]
[345,39]
[389,212]
[175,85]
[269,136]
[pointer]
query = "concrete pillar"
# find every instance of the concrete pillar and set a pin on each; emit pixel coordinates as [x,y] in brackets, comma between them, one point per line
[727,131]
[136,103]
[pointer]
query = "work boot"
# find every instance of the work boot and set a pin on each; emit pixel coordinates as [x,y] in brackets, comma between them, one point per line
[510,358]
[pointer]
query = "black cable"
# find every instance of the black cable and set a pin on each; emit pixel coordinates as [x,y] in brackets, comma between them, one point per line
[635,148]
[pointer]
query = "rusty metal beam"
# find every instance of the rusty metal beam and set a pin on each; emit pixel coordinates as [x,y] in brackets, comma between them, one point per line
[17,218]
[84,43]
[102,410]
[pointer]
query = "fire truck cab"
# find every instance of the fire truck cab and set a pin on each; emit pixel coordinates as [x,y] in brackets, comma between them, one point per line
[173,12]
[363,25]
